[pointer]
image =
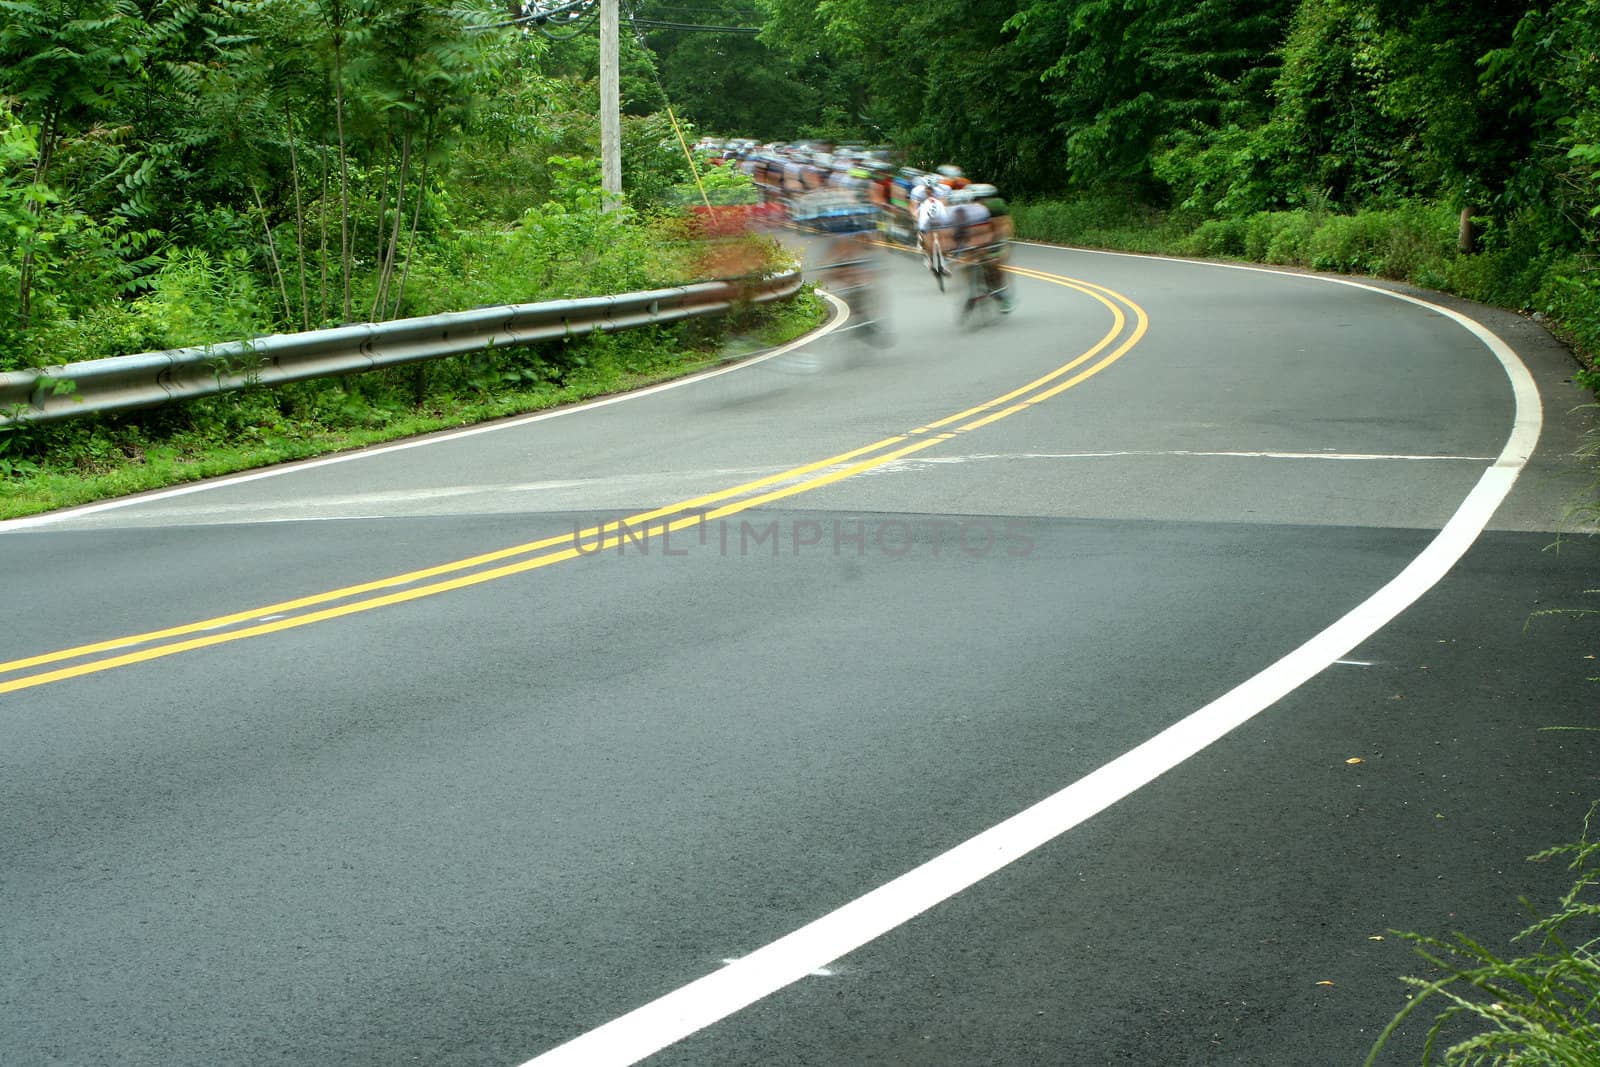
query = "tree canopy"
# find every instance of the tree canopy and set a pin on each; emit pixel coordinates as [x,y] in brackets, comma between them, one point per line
[313,146]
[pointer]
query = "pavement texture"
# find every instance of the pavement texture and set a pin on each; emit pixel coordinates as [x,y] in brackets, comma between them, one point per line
[466,827]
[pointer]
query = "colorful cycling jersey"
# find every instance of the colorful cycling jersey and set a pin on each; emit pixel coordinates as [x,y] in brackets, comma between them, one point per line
[930,214]
[900,194]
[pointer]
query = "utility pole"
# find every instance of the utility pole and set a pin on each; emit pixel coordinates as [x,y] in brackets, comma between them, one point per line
[610,107]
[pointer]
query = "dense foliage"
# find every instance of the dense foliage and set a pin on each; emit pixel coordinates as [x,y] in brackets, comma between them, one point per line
[1213,112]
[177,172]
[1220,105]
[187,171]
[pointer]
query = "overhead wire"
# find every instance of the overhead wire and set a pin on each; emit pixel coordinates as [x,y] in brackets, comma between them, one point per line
[694,167]
[693,27]
[583,13]
[534,15]
[573,18]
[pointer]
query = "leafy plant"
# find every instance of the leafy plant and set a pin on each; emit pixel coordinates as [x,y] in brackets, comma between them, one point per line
[197,300]
[1538,1009]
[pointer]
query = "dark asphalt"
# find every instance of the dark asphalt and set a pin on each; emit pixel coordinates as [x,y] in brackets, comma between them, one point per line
[1196,922]
[464,829]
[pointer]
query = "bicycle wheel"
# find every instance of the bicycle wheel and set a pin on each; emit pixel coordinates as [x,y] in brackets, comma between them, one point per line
[936,260]
[978,304]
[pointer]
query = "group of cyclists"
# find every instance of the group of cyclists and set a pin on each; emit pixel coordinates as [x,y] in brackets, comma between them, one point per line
[855,194]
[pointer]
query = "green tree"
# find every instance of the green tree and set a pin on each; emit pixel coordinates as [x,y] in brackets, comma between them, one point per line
[68,65]
[729,82]
[1550,69]
[419,73]
[1124,77]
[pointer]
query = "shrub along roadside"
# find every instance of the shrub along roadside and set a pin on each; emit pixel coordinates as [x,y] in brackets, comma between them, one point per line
[567,247]
[54,465]
[1412,242]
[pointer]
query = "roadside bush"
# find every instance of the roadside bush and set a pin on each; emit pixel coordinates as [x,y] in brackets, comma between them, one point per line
[1217,237]
[99,332]
[1259,229]
[193,299]
[1421,236]
[1350,243]
[1091,220]
[1290,243]
[1572,298]
[1395,243]
[196,299]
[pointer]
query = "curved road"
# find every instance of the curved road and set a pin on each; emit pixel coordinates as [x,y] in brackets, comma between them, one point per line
[457,752]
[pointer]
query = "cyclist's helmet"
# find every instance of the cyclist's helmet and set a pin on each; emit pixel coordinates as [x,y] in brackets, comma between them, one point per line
[950,170]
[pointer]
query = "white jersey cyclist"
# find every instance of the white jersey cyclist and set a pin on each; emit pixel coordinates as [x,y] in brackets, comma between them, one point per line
[930,207]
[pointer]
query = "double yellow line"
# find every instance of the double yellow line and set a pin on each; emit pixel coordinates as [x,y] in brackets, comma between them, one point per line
[108,655]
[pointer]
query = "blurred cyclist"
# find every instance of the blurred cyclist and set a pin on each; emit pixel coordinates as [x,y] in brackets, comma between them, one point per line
[953,176]
[930,217]
[979,238]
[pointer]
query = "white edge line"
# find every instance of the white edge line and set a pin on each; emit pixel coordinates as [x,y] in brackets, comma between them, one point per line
[32,521]
[670,1018]
[1189,453]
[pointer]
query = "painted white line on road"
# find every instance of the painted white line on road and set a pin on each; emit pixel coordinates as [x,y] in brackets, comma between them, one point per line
[691,1008]
[34,521]
[820,972]
[297,510]
[1354,663]
[982,456]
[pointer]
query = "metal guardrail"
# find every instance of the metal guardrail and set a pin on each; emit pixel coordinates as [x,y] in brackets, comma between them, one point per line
[123,383]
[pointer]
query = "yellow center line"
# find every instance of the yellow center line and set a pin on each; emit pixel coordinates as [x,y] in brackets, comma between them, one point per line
[1118,321]
[801,479]
[409,577]
[1139,330]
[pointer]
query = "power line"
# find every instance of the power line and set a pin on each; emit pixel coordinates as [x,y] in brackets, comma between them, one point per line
[574,17]
[563,22]
[674,9]
[691,27]
[702,14]
[570,15]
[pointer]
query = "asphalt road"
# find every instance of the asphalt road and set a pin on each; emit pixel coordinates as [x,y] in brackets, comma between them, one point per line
[395,774]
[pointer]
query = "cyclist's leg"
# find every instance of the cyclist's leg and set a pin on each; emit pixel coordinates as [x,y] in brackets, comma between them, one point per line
[997,280]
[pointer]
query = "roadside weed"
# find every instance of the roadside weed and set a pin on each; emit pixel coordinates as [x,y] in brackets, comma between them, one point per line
[1538,1009]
